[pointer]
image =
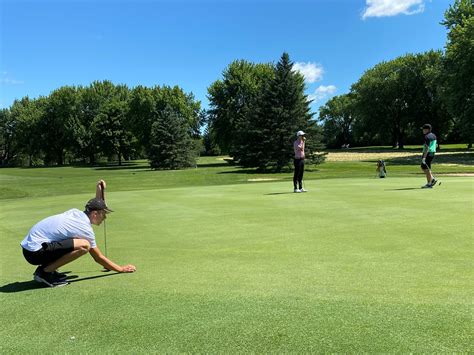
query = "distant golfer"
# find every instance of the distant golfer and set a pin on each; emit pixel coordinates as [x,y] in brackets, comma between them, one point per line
[429,150]
[381,169]
[57,240]
[298,146]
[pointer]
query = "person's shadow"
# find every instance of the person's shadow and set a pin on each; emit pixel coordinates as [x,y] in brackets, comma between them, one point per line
[21,286]
[33,285]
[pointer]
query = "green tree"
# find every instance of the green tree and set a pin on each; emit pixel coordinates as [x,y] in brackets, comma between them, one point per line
[282,110]
[338,117]
[232,103]
[147,105]
[394,98]
[58,124]
[459,66]
[171,142]
[113,138]
[29,114]
[7,137]
[92,102]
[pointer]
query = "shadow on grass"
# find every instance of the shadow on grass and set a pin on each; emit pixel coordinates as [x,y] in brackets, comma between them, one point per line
[33,285]
[21,286]
[213,165]
[404,189]
[94,277]
[278,193]
[117,167]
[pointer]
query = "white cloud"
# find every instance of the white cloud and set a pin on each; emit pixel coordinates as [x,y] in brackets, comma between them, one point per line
[381,8]
[311,71]
[6,80]
[322,92]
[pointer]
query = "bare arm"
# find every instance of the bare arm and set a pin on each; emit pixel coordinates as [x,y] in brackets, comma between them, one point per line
[100,190]
[425,151]
[109,264]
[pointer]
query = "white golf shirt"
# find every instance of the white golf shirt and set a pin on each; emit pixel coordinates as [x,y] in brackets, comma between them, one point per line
[68,225]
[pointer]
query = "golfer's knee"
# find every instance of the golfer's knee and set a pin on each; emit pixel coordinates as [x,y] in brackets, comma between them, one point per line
[82,245]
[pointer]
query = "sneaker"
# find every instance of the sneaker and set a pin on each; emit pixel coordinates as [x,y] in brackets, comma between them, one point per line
[297,190]
[59,275]
[303,190]
[48,278]
[433,182]
[427,186]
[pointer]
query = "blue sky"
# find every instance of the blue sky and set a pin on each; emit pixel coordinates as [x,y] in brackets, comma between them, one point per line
[45,44]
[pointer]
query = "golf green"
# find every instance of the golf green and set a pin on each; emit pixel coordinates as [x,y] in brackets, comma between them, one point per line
[354,265]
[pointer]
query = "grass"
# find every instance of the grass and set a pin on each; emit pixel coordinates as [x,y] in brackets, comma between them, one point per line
[358,264]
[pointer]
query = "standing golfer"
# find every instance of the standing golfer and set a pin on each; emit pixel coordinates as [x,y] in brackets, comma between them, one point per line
[429,150]
[298,146]
[57,240]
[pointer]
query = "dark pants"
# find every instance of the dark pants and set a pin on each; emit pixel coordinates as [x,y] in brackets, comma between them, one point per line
[428,160]
[49,253]
[298,175]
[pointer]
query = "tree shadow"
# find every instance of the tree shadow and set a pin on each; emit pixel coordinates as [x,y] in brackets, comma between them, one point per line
[122,167]
[213,165]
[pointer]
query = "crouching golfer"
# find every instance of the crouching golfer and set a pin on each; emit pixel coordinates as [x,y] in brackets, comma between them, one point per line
[57,240]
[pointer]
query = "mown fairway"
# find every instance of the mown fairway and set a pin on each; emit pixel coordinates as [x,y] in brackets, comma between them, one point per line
[358,264]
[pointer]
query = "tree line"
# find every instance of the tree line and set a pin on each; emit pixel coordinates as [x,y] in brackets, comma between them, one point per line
[83,124]
[393,99]
[255,111]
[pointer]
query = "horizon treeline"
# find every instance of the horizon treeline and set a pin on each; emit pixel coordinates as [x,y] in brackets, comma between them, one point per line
[255,110]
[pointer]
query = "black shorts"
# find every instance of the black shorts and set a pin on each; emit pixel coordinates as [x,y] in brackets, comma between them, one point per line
[428,160]
[49,252]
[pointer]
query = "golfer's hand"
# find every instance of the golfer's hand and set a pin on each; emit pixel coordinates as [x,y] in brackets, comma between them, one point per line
[101,183]
[128,268]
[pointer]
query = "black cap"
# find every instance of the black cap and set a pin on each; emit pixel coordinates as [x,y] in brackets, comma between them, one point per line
[97,204]
[426,126]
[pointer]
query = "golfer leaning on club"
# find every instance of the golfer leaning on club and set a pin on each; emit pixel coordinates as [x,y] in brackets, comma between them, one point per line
[58,240]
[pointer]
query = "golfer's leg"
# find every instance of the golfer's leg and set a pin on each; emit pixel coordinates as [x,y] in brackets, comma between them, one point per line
[300,177]
[81,247]
[427,174]
[428,163]
[296,173]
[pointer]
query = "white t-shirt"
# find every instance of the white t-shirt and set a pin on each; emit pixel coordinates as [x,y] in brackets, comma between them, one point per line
[68,225]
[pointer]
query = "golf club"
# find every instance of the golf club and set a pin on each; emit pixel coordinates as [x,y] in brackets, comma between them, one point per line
[102,188]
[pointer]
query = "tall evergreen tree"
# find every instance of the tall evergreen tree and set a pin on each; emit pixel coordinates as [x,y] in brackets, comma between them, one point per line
[282,110]
[171,143]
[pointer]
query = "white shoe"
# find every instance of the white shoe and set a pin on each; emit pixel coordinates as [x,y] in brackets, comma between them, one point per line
[303,190]
[296,190]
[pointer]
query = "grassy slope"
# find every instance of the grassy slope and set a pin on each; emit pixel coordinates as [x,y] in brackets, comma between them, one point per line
[365,265]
